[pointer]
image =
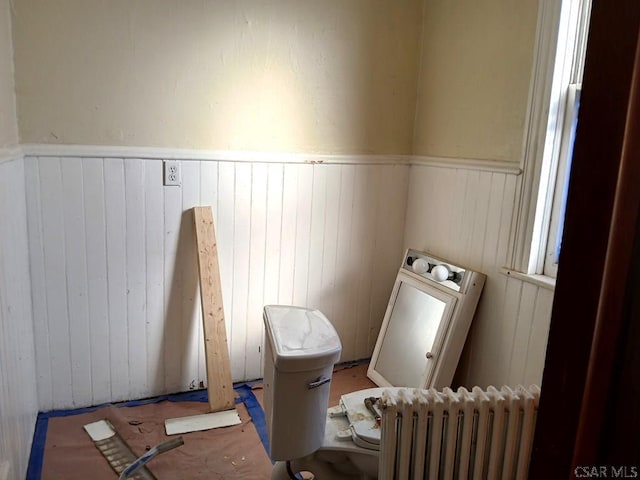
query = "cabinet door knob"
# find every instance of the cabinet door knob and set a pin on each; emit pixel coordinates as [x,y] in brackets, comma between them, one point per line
[429,355]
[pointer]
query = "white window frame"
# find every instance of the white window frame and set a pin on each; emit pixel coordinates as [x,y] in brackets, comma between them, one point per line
[552,103]
[548,263]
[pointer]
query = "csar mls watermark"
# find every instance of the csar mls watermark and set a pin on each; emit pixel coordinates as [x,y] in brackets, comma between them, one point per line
[605,471]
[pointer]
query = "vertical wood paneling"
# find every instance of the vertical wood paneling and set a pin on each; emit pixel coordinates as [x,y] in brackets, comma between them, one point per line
[387,261]
[115,310]
[119,222]
[316,245]
[96,248]
[346,266]
[288,228]
[274,243]
[256,269]
[56,281]
[18,395]
[538,335]
[154,281]
[38,283]
[367,206]
[465,216]
[355,340]
[191,319]
[303,234]
[225,231]
[524,321]
[493,348]
[455,200]
[437,221]
[465,232]
[135,227]
[240,287]
[115,201]
[474,227]
[475,241]
[435,195]
[320,236]
[77,294]
[509,200]
[489,257]
[332,189]
[488,319]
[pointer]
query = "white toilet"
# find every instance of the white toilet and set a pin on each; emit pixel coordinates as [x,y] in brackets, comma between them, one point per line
[338,443]
[350,449]
[432,300]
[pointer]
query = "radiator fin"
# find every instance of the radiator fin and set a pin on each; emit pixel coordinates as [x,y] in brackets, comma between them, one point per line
[445,435]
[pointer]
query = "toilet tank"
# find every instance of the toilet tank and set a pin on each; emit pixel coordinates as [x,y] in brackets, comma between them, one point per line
[301,348]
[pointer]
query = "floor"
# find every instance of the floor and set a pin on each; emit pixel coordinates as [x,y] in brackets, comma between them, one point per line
[225,453]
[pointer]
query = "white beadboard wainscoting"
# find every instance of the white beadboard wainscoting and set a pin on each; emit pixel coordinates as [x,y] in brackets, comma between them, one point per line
[116,305]
[18,397]
[464,215]
[114,284]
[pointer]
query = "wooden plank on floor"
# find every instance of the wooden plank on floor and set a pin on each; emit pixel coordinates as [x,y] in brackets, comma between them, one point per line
[199,423]
[219,384]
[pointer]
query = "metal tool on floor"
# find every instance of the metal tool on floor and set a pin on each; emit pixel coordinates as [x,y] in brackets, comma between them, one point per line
[120,456]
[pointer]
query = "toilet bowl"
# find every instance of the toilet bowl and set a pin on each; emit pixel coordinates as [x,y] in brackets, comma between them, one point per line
[433,302]
[350,449]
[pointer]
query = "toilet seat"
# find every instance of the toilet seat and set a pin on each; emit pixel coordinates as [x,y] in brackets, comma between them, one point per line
[351,445]
[365,431]
[351,425]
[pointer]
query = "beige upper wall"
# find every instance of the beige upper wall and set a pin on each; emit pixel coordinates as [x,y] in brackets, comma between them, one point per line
[334,76]
[474,80]
[8,126]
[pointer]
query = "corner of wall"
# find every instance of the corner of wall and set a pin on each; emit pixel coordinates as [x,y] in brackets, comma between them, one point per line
[19,400]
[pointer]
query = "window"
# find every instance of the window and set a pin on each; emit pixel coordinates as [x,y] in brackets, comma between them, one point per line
[572,42]
[553,113]
[568,132]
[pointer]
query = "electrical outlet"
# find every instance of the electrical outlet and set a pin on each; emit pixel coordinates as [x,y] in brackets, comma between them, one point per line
[172,172]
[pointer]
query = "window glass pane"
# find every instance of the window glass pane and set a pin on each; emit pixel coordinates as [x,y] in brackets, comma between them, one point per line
[565,185]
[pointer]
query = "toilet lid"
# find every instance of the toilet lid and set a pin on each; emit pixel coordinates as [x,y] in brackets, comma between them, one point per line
[365,430]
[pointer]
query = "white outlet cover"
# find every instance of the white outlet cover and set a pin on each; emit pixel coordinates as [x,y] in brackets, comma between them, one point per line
[172,173]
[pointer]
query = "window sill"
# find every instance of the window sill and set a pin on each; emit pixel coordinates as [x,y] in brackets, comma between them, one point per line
[540,280]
